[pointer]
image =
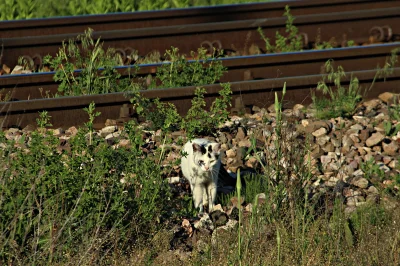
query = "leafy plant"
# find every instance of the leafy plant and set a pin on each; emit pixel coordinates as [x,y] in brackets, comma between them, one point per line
[200,122]
[85,201]
[97,75]
[290,43]
[92,115]
[180,72]
[43,120]
[342,101]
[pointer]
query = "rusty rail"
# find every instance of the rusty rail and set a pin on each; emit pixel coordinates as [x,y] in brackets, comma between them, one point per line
[230,36]
[134,20]
[23,87]
[67,111]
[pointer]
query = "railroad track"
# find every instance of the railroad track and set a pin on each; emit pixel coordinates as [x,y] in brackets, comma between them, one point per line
[67,111]
[232,36]
[23,87]
[134,20]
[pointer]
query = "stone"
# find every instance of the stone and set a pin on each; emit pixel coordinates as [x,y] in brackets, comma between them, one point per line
[110,122]
[29,128]
[323,140]
[241,134]
[394,164]
[354,138]
[387,97]
[373,190]
[231,153]
[325,159]
[173,180]
[386,159]
[391,148]
[124,143]
[361,119]
[329,147]
[361,182]
[58,131]
[372,104]
[358,172]
[364,135]
[107,130]
[219,218]
[248,208]
[320,132]
[251,162]
[244,143]
[375,139]
[204,223]
[297,109]
[347,142]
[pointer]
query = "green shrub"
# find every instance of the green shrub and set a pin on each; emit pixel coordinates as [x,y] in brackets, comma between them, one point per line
[91,58]
[290,43]
[58,202]
[199,121]
[342,101]
[179,72]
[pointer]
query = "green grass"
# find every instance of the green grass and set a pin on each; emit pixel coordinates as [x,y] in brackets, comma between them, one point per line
[26,9]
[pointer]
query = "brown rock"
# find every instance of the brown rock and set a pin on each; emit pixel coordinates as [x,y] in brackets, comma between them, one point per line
[394,164]
[375,139]
[329,147]
[377,148]
[110,122]
[360,182]
[244,143]
[354,138]
[72,131]
[364,135]
[231,153]
[391,148]
[241,134]
[373,190]
[372,104]
[320,132]
[251,162]
[361,119]
[323,140]
[387,97]
[58,131]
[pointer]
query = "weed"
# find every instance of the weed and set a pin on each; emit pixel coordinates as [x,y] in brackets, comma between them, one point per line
[5,96]
[290,43]
[342,101]
[73,203]
[200,122]
[43,120]
[92,115]
[179,72]
[97,75]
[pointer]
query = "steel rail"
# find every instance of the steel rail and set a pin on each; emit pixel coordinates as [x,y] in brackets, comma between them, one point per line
[233,35]
[144,19]
[67,111]
[23,87]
